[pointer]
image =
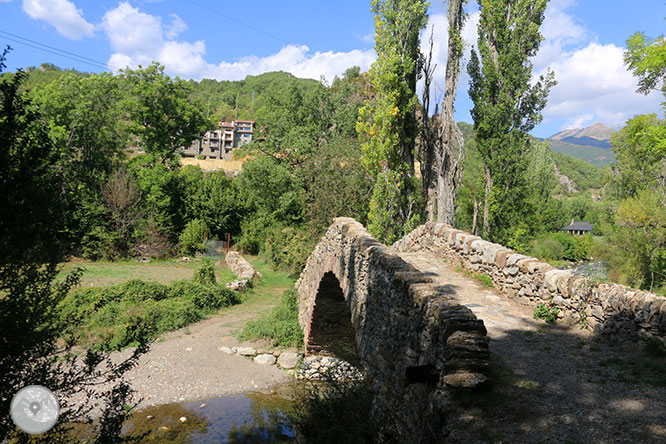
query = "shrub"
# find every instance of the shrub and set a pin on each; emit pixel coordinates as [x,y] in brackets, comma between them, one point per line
[548,314]
[288,249]
[192,237]
[111,318]
[281,327]
[205,274]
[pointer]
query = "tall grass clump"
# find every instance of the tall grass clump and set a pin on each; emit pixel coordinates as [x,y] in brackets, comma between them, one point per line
[280,326]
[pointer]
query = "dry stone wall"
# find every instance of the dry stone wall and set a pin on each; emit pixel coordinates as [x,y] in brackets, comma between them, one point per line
[608,308]
[239,266]
[416,343]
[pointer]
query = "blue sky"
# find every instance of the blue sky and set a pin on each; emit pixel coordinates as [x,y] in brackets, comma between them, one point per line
[584,40]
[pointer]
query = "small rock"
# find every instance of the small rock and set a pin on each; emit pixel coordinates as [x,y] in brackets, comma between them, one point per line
[149,417]
[227,350]
[189,349]
[558,300]
[182,419]
[288,360]
[265,359]
[202,405]
[246,351]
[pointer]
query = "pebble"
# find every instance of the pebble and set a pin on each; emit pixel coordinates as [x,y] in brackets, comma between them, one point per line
[182,419]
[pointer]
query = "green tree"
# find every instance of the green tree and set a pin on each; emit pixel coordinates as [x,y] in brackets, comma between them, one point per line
[163,116]
[84,117]
[507,106]
[387,123]
[641,233]
[646,58]
[640,147]
[31,245]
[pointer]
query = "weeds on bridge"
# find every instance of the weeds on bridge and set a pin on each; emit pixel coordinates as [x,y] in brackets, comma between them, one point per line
[548,314]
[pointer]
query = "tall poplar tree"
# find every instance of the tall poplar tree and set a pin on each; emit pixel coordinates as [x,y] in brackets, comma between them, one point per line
[506,106]
[387,124]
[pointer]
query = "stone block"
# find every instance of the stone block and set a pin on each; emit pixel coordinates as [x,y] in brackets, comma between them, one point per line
[514,258]
[502,256]
[265,359]
[464,380]
[246,351]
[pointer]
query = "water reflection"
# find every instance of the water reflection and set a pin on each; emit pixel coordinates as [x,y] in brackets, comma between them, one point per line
[248,419]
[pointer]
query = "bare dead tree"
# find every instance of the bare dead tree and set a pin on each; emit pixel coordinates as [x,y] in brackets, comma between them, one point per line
[443,150]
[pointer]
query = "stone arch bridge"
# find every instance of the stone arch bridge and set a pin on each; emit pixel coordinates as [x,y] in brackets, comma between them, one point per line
[418,341]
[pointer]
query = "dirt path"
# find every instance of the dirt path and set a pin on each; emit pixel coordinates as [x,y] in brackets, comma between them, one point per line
[553,383]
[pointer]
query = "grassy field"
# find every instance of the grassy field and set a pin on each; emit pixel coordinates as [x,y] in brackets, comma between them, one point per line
[105,273]
[122,303]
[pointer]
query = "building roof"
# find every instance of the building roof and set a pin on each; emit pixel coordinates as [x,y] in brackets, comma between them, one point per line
[578,226]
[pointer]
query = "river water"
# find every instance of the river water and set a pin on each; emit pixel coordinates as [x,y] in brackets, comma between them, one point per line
[248,418]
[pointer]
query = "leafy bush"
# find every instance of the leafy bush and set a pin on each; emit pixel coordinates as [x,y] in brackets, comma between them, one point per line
[111,318]
[562,246]
[281,326]
[205,274]
[548,314]
[288,249]
[192,237]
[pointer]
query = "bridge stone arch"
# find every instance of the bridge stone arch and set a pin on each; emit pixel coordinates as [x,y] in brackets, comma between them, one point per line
[414,341]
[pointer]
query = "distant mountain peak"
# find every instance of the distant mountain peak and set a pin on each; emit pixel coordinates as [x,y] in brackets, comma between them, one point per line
[597,131]
[596,134]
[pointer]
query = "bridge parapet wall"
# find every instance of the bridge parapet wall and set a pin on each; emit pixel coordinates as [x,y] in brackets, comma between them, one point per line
[608,308]
[415,341]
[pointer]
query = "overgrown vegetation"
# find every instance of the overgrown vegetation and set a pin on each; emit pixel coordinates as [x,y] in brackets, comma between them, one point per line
[547,313]
[114,317]
[281,326]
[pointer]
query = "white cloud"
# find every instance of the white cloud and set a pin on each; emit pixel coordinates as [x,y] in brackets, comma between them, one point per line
[62,14]
[139,38]
[176,26]
[593,82]
[297,60]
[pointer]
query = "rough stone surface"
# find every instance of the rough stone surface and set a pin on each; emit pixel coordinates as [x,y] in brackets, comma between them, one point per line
[613,309]
[288,360]
[265,359]
[238,285]
[400,318]
[239,266]
[246,351]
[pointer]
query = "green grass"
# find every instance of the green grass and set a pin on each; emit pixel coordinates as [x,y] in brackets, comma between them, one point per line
[105,273]
[281,326]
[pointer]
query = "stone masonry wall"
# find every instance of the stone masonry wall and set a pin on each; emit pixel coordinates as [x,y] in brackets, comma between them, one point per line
[414,340]
[608,308]
[239,266]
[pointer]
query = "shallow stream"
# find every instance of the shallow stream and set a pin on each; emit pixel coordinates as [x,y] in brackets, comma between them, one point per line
[248,418]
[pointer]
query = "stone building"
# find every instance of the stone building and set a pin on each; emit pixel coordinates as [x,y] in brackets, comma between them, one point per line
[220,143]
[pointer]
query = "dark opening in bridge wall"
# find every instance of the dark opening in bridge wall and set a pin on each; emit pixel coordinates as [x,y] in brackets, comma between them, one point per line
[331,330]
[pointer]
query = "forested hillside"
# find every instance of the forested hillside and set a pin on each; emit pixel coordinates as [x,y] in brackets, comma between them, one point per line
[220,100]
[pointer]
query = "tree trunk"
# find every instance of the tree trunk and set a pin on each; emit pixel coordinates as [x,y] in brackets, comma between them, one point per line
[444,148]
[475,226]
[486,200]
